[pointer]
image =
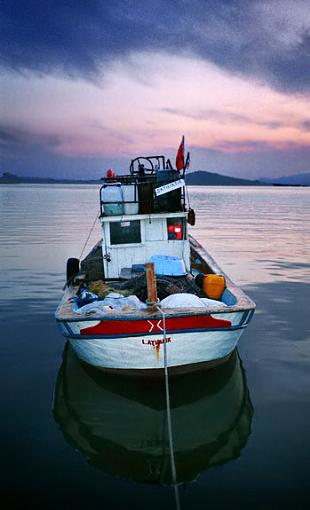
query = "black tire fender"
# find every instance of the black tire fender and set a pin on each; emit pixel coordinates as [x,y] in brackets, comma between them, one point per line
[73,267]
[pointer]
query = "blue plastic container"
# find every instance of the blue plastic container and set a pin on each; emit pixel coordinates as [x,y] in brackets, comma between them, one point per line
[168,266]
[138,268]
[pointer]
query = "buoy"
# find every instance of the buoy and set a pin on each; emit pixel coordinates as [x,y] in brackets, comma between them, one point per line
[73,267]
[191,217]
[213,285]
[110,174]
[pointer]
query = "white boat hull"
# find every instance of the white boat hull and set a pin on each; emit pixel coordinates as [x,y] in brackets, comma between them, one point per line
[135,340]
[138,344]
[147,352]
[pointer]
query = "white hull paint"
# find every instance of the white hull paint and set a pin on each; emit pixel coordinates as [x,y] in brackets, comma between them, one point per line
[147,352]
[134,340]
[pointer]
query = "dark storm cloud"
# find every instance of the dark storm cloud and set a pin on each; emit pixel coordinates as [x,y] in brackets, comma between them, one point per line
[268,40]
[244,146]
[12,139]
[306,125]
[8,137]
[262,147]
[19,147]
[25,153]
[260,161]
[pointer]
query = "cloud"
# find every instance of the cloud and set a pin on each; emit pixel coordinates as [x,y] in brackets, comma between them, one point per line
[258,160]
[306,124]
[27,153]
[13,139]
[228,117]
[268,40]
[259,147]
[8,137]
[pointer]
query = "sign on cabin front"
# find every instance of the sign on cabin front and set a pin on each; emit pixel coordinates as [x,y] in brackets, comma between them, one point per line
[180,183]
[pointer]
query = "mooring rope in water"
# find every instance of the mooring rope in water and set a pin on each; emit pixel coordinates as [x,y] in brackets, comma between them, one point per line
[90,233]
[169,422]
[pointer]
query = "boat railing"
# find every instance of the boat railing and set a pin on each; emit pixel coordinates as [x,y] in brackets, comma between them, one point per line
[135,193]
[146,165]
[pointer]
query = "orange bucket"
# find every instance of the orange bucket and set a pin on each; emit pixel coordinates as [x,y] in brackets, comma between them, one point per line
[213,285]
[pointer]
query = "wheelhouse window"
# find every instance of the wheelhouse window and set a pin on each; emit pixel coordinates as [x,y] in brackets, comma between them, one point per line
[176,229]
[125,232]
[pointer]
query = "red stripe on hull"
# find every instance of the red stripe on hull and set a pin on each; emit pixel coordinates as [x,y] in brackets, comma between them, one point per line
[110,327]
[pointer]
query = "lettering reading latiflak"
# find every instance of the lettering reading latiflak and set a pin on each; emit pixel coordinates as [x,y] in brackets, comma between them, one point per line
[156,343]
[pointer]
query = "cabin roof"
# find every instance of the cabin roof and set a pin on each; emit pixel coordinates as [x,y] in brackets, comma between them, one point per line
[131,217]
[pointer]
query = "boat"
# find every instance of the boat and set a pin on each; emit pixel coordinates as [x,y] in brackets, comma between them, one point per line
[148,295]
[120,426]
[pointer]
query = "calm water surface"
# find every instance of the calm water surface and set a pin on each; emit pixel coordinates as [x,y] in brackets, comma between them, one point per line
[73,438]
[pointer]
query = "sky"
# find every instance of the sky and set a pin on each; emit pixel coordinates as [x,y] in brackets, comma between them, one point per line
[89,84]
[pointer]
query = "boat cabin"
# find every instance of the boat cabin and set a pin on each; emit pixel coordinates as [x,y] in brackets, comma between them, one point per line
[143,216]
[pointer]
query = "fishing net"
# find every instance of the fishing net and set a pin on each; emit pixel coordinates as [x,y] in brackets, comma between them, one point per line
[166,285]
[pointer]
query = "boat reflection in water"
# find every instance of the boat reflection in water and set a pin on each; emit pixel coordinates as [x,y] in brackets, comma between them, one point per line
[120,423]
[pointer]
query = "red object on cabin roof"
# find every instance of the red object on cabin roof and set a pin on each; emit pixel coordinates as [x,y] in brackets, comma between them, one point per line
[110,173]
[179,162]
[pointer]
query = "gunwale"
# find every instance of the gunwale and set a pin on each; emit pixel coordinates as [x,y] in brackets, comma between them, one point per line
[244,303]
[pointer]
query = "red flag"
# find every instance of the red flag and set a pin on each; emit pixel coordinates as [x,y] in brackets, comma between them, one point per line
[179,162]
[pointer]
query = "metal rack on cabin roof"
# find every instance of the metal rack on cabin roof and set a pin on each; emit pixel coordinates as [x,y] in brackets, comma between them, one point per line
[146,174]
[154,164]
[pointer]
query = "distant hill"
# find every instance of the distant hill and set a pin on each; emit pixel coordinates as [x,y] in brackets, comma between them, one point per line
[8,178]
[198,178]
[293,180]
[201,178]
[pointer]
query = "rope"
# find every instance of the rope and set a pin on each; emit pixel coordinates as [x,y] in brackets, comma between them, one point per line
[90,233]
[187,195]
[169,422]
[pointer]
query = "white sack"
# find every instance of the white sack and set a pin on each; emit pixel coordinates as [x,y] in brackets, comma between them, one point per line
[117,301]
[212,303]
[94,307]
[186,300]
[113,301]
